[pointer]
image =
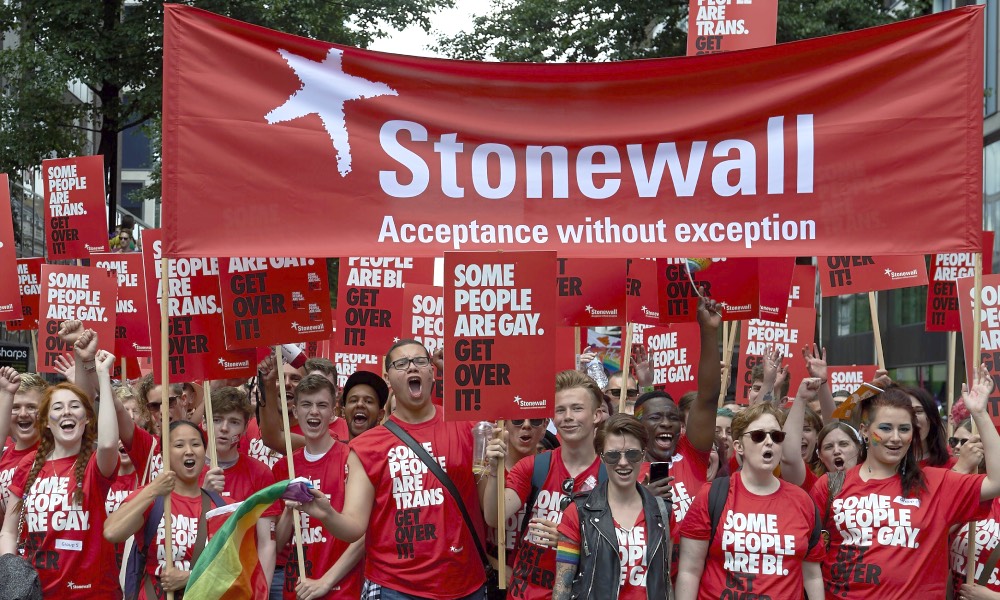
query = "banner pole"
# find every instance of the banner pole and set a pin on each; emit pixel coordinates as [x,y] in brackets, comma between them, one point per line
[34,347]
[976,358]
[124,372]
[576,340]
[727,358]
[279,365]
[213,453]
[876,330]
[952,336]
[625,364]
[168,522]
[502,509]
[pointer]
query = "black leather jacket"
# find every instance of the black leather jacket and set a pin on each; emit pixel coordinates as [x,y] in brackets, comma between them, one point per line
[600,568]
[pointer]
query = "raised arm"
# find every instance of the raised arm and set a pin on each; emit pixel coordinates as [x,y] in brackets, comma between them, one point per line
[10,381]
[793,468]
[701,418]
[128,519]
[976,400]
[272,432]
[107,417]
[815,358]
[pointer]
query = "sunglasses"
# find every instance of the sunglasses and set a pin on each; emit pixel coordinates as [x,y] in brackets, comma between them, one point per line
[402,364]
[757,436]
[156,405]
[534,422]
[611,457]
[955,442]
[629,393]
[567,493]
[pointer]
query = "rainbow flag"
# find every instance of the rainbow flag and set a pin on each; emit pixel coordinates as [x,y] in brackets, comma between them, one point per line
[228,568]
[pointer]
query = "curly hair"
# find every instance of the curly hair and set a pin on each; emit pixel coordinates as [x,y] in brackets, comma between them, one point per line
[47,443]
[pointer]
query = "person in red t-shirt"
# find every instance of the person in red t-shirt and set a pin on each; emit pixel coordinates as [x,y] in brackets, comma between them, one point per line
[932,448]
[333,568]
[890,519]
[761,545]
[20,395]
[189,527]
[573,468]
[418,545]
[622,526]
[271,430]
[63,486]
[243,475]
[687,453]
[987,585]
[840,447]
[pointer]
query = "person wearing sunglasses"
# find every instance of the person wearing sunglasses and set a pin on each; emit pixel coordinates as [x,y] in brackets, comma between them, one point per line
[966,447]
[574,468]
[890,519]
[765,542]
[615,542]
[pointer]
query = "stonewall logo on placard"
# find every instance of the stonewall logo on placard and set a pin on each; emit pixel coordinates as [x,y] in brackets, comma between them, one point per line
[75,206]
[841,275]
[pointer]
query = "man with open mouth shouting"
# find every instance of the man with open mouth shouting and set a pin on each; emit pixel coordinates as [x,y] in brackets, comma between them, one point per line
[20,394]
[418,544]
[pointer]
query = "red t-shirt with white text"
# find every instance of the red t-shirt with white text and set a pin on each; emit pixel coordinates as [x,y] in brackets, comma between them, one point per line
[885,546]
[253,446]
[760,541]
[631,551]
[417,541]
[65,542]
[689,468]
[534,566]
[987,539]
[9,460]
[319,548]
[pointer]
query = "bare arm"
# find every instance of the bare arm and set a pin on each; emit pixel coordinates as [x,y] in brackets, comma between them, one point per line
[347,561]
[107,418]
[10,381]
[129,517]
[690,568]
[350,524]
[812,580]
[976,400]
[266,548]
[701,418]
[8,534]
[793,468]
[271,431]
[565,573]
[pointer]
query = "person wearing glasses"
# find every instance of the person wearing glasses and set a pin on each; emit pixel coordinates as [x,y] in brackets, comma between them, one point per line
[890,519]
[574,468]
[417,543]
[148,391]
[615,542]
[765,543]
[614,389]
[967,448]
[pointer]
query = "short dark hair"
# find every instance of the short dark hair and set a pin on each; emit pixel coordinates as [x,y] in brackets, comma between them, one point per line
[313,384]
[400,343]
[175,424]
[621,424]
[649,396]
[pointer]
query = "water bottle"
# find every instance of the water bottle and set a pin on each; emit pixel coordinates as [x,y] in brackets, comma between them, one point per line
[481,435]
[595,370]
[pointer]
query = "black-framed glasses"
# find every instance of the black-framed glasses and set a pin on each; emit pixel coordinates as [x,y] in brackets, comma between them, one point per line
[611,457]
[955,442]
[758,435]
[533,422]
[629,393]
[402,364]
[567,493]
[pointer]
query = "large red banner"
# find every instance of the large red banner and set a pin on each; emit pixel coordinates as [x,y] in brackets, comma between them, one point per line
[843,275]
[85,294]
[268,301]
[723,25]
[497,305]
[456,155]
[942,298]
[75,207]
[132,327]
[989,350]
[758,336]
[29,277]
[10,299]
[591,291]
[195,338]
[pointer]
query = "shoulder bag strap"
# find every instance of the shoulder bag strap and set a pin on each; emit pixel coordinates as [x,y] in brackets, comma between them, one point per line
[438,472]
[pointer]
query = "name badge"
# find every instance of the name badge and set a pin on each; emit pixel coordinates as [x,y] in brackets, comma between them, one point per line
[74,545]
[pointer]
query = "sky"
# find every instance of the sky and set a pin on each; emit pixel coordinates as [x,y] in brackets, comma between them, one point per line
[414,41]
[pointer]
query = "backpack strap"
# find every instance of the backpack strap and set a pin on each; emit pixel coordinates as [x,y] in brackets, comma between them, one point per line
[207,496]
[817,530]
[539,472]
[716,501]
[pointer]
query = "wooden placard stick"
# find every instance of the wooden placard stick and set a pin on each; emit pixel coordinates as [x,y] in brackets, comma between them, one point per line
[626,360]
[168,522]
[977,347]
[502,512]
[213,453]
[876,330]
[280,367]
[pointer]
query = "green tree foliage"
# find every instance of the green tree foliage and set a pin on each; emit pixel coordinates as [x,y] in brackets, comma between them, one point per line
[604,30]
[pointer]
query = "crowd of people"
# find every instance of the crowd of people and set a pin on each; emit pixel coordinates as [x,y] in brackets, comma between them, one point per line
[771,497]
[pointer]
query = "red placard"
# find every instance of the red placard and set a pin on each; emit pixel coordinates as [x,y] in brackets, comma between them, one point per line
[29,277]
[370,300]
[196,341]
[591,291]
[989,351]
[268,301]
[496,306]
[803,292]
[349,362]
[733,282]
[641,297]
[132,329]
[10,298]
[942,299]
[85,294]
[721,25]
[75,207]
[425,307]
[775,280]
[459,155]
[843,275]
[673,354]
[757,336]
[847,379]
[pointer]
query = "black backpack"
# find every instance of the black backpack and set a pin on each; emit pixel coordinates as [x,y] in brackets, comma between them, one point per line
[717,501]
